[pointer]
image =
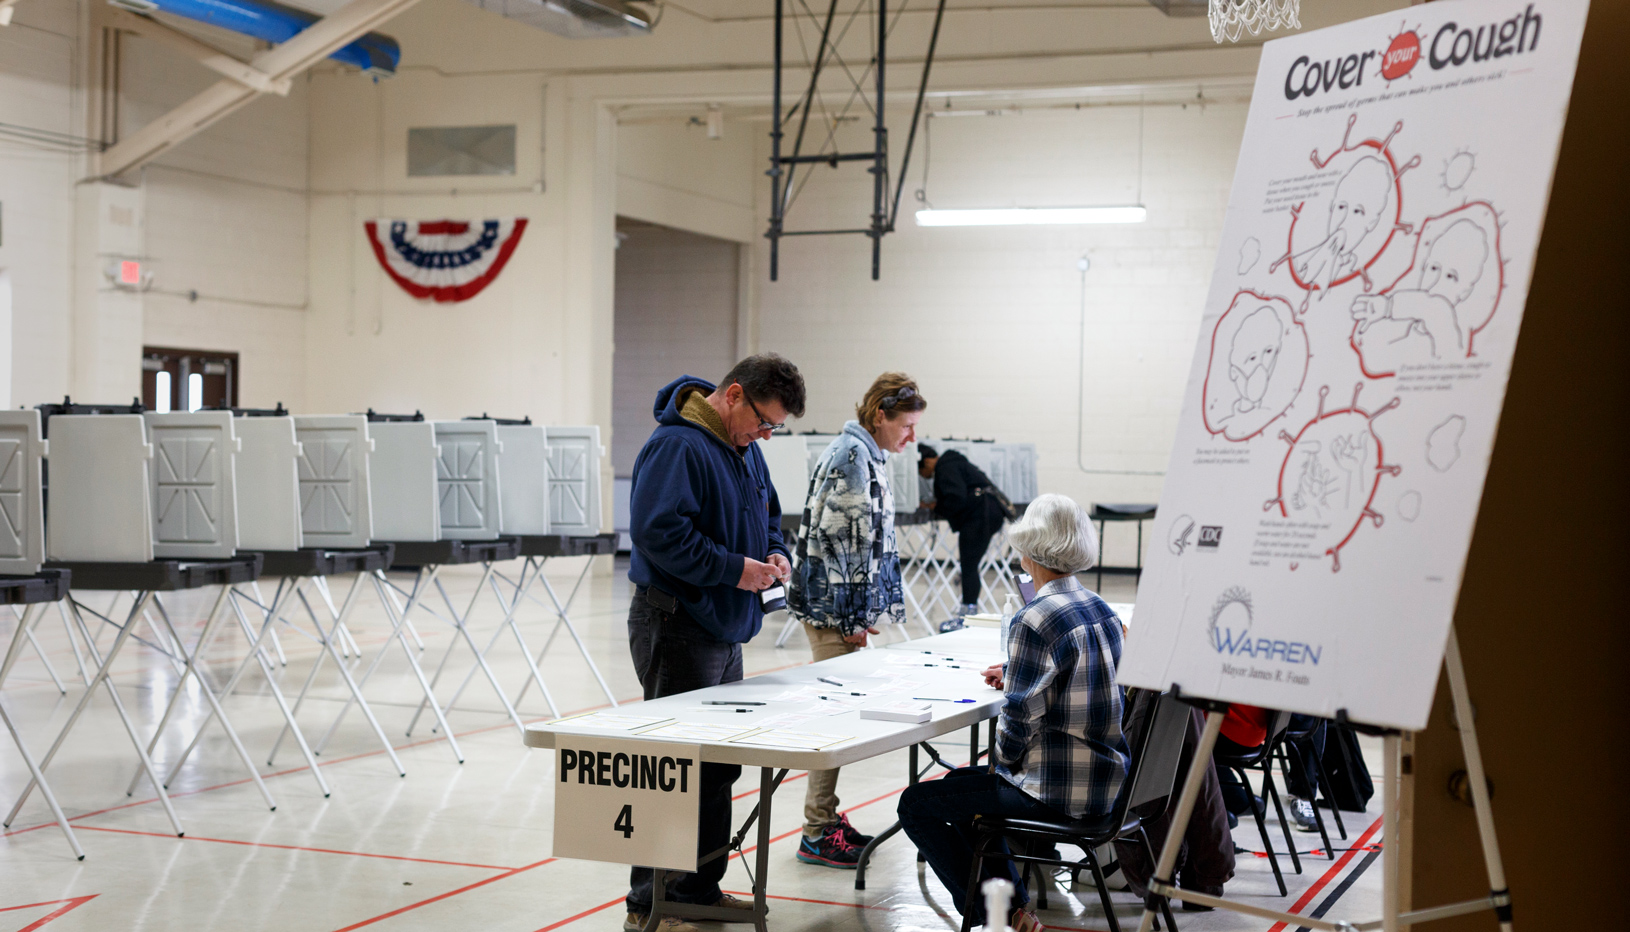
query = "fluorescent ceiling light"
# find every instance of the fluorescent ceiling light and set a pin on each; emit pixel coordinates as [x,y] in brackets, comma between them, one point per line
[1020,216]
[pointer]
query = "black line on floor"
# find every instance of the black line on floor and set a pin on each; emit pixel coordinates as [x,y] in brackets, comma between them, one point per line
[1341,888]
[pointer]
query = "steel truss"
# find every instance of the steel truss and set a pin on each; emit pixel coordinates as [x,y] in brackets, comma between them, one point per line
[784,168]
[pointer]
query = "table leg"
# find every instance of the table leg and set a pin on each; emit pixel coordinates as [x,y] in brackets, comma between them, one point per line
[891,831]
[769,780]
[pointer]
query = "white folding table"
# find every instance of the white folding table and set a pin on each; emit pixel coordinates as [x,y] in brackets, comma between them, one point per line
[868,738]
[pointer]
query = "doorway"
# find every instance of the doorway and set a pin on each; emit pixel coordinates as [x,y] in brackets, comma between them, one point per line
[676,306]
[188,380]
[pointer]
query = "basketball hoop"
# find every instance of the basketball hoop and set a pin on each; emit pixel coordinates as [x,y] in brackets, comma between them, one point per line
[1231,18]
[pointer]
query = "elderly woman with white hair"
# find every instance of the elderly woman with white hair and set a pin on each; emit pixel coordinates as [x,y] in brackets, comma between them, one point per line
[1060,753]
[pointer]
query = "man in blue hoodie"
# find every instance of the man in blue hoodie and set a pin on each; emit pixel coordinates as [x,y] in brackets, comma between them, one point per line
[706,526]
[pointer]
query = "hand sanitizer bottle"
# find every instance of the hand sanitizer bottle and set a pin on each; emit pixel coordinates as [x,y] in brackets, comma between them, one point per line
[1011,607]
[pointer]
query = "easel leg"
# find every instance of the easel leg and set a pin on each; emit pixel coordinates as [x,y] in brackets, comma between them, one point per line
[1180,818]
[1498,891]
[1389,832]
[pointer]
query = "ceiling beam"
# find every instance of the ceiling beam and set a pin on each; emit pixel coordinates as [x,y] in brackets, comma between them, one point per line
[278,64]
[205,54]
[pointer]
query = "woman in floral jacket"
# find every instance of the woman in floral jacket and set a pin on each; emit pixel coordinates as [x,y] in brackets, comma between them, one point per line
[846,572]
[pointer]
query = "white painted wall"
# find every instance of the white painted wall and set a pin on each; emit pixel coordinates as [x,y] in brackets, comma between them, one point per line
[38,89]
[988,319]
[676,315]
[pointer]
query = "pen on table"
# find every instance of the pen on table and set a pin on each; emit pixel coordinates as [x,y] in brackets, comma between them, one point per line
[828,679]
[846,694]
[938,699]
[725,702]
[739,711]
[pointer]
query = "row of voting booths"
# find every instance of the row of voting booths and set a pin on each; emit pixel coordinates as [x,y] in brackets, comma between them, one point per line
[928,547]
[267,510]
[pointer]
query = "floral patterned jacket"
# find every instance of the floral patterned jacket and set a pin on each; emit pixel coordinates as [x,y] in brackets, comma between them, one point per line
[846,567]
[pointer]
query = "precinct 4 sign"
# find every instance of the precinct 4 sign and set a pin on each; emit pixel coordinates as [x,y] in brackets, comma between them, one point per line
[627,802]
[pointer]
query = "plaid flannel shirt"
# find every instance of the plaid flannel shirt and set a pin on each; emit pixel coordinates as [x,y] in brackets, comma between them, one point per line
[1059,736]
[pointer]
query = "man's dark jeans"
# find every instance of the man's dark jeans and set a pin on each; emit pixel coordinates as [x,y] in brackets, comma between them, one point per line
[673,654]
[938,818]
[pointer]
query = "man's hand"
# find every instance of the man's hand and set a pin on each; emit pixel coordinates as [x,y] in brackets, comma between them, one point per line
[782,567]
[1367,309]
[993,676]
[756,576]
[859,637]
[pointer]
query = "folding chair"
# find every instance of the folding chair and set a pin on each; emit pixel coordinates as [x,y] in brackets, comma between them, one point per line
[1257,758]
[1156,726]
[1295,738]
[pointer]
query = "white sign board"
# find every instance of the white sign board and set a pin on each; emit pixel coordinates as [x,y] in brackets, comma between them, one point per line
[1353,357]
[627,802]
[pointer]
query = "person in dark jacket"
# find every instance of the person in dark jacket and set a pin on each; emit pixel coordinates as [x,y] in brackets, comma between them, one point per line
[706,527]
[959,499]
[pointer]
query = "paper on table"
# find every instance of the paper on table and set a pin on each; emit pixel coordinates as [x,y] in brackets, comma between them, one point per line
[787,738]
[613,720]
[786,719]
[698,731]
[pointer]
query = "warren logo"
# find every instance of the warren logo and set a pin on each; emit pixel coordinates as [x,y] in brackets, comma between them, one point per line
[1230,632]
[1400,57]
[1210,536]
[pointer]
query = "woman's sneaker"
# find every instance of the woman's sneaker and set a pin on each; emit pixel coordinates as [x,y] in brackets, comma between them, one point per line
[829,850]
[851,834]
[1301,814]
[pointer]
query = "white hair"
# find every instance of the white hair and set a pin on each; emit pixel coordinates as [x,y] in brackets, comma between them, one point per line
[1056,533]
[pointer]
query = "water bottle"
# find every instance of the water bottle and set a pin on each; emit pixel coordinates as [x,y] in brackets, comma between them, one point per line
[1011,607]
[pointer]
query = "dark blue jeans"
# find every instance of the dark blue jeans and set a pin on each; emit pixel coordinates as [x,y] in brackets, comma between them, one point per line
[673,654]
[938,817]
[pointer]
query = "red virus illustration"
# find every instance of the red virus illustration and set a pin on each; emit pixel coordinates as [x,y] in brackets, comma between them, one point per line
[1259,359]
[1364,213]
[1401,56]
[1446,296]
[1331,473]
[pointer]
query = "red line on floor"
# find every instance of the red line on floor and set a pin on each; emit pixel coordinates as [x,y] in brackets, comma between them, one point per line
[442,896]
[1330,874]
[264,844]
[71,904]
[585,913]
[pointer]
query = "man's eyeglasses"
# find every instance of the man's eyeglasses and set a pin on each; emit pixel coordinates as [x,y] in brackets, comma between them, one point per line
[901,394]
[762,423]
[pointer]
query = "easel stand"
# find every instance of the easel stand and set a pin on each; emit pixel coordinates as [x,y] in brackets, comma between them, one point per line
[1393,918]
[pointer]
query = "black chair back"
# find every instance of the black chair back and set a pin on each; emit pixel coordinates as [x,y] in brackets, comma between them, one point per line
[1155,763]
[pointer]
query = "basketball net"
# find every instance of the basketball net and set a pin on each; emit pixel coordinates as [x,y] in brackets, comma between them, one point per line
[1231,18]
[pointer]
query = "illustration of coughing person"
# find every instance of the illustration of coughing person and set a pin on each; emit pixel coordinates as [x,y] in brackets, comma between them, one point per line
[1360,199]
[1425,323]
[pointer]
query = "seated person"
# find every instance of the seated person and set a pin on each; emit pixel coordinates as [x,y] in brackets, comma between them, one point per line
[1060,753]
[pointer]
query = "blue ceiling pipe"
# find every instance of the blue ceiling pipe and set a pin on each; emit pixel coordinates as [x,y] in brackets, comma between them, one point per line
[273,22]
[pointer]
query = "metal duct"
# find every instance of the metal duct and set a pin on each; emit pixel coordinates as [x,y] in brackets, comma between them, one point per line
[275,23]
[574,19]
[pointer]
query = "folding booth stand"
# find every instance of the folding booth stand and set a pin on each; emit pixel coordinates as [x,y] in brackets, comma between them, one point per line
[33,591]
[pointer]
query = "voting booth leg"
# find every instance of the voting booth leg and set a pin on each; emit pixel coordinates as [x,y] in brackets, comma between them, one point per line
[185,671]
[257,653]
[564,619]
[15,648]
[395,612]
[30,614]
[327,640]
[460,625]
[515,629]
[215,703]
[25,630]
[104,664]
[73,642]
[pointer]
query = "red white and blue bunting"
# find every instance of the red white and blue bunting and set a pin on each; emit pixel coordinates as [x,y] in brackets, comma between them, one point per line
[447,260]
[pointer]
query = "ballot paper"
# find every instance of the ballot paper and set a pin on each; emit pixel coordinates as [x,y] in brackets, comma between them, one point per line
[616,721]
[787,738]
[910,711]
[698,731]
[787,719]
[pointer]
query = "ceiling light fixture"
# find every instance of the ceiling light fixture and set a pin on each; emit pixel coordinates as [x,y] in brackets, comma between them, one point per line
[1026,216]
